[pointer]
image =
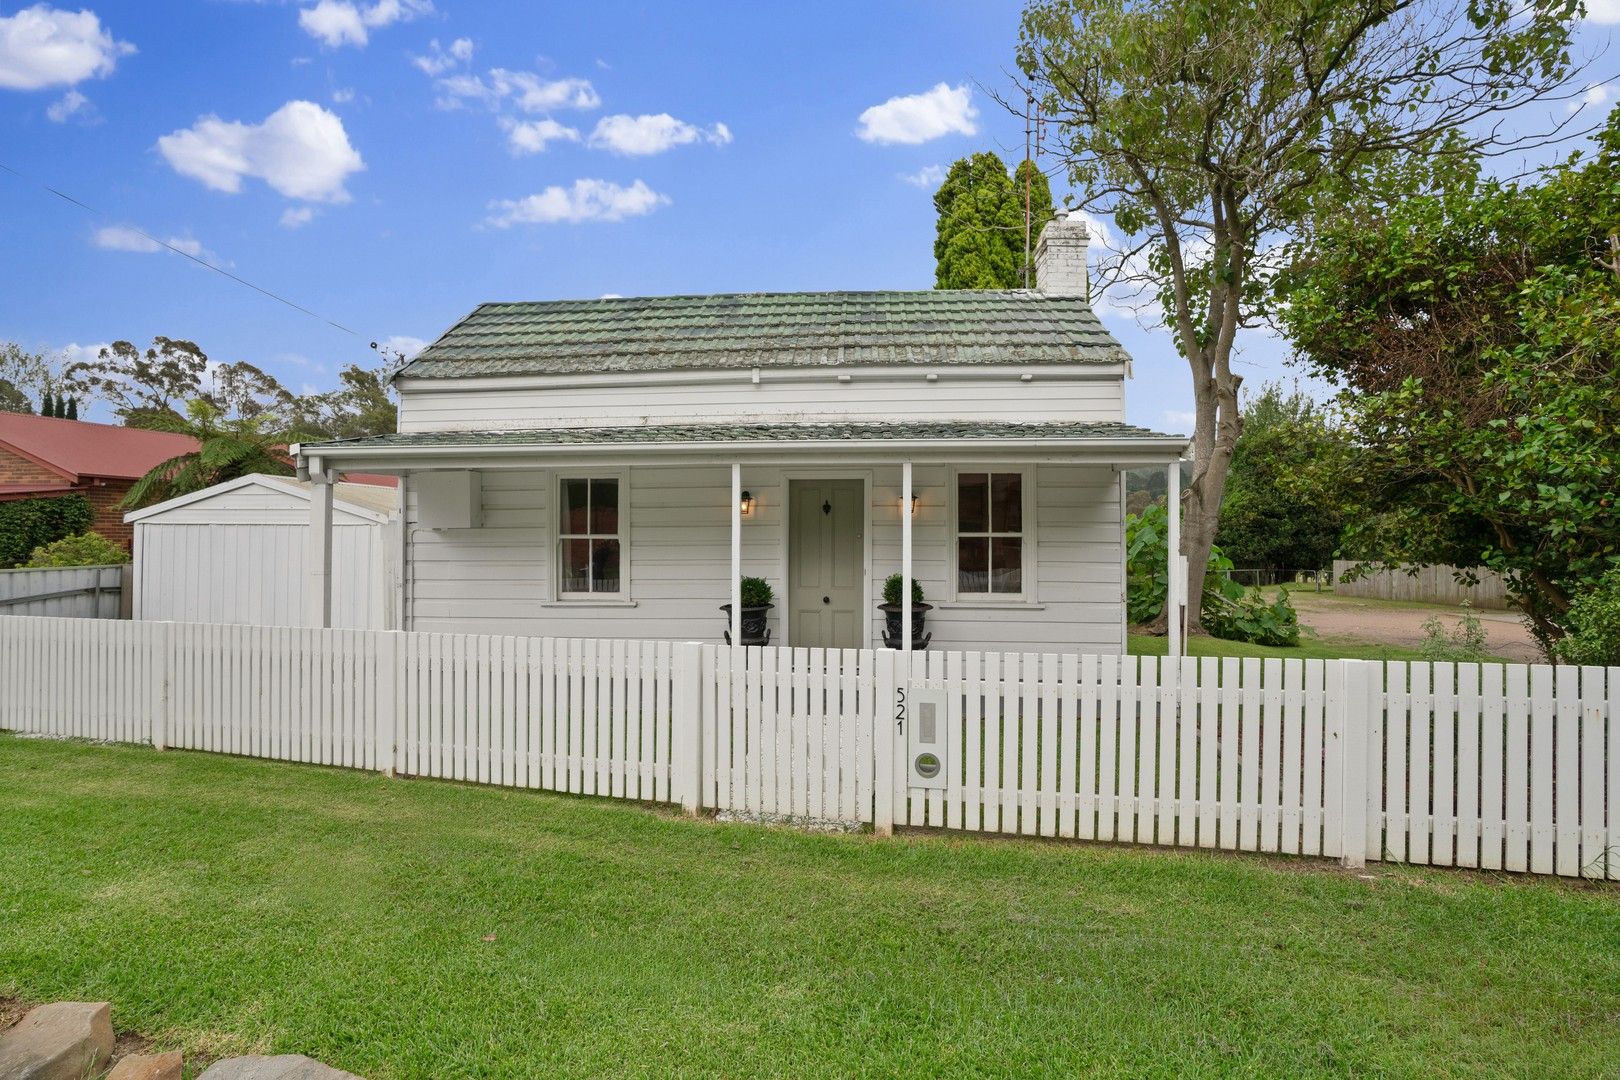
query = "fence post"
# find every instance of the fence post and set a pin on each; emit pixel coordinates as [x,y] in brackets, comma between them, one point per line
[1353,680]
[686,727]
[163,645]
[884,725]
[389,736]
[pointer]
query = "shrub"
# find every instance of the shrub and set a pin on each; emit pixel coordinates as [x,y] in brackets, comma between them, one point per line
[1227,609]
[1251,618]
[84,549]
[891,590]
[756,592]
[28,523]
[1464,644]
[1594,617]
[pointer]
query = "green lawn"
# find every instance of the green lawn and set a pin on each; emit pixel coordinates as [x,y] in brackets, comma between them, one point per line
[1308,648]
[411,928]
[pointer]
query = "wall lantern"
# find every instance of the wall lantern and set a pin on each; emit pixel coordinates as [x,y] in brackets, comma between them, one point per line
[746,507]
[914,499]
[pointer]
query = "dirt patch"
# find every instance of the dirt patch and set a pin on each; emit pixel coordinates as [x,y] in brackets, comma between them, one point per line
[1383,622]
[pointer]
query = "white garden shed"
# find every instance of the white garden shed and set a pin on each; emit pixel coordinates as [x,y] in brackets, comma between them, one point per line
[236,553]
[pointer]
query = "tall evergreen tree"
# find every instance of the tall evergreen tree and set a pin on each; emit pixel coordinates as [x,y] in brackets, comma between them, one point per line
[980,235]
[47,405]
[72,412]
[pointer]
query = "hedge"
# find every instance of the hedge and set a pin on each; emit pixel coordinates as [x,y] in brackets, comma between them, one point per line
[28,523]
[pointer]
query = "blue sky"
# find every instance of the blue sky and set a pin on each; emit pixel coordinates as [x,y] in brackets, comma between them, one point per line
[391,164]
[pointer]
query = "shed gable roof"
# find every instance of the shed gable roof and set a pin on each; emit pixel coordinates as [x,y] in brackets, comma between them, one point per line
[743,330]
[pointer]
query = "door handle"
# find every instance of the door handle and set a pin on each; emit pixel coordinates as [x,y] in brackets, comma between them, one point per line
[826,599]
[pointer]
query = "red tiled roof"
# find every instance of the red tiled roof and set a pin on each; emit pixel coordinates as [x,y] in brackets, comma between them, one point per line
[77,448]
[377,479]
[11,492]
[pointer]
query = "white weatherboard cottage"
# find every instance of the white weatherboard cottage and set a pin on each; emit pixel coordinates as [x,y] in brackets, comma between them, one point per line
[608,468]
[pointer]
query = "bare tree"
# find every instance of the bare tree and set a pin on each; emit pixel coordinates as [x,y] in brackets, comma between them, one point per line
[1214,134]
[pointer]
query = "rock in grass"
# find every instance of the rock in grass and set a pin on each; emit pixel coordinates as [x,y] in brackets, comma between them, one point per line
[147,1067]
[65,1040]
[280,1067]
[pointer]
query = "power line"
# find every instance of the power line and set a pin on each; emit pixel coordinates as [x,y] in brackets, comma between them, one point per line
[165,244]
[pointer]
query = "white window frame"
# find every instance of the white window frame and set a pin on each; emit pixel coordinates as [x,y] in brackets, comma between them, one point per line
[590,599]
[1024,598]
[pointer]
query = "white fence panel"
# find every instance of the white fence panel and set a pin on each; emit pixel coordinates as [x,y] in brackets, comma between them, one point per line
[77,592]
[1493,766]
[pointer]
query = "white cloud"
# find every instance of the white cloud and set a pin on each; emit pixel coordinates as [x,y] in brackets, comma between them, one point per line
[1596,94]
[127,238]
[343,95]
[440,60]
[1603,11]
[522,90]
[300,150]
[639,135]
[611,296]
[402,343]
[929,176]
[1176,418]
[296,217]
[917,118]
[70,104]
[531,136]
[41,46]
[587,200]
[336,23]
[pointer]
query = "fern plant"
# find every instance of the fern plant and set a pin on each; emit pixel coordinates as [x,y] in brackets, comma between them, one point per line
[227,449]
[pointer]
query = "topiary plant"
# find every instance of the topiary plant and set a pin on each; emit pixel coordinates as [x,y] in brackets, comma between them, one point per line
[891,590]
[84,549]
[756,593]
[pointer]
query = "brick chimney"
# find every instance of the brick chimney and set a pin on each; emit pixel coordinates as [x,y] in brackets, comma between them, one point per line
[1060,257]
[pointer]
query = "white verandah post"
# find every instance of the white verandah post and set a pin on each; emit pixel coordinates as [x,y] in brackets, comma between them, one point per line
[905,567]
[736,553]
[319,562]
[1174,600]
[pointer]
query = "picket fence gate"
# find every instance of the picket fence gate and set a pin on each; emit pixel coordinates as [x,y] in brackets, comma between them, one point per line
[1501,767]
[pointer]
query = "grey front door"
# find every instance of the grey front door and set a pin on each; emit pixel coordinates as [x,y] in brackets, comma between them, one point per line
[826,563]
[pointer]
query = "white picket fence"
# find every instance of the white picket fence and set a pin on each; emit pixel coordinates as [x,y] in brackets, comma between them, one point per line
[1506,767]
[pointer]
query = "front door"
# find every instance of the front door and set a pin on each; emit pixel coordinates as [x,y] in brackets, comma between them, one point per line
[826,563]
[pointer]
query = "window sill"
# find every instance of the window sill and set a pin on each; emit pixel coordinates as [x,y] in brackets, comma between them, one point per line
[990,605]
[587,602]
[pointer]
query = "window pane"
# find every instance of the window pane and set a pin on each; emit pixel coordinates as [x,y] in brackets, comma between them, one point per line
[1007,503]
[972,494]
[1007,565]
[576,566]
[972,564]
[605,506]
[605,566]
[574,494]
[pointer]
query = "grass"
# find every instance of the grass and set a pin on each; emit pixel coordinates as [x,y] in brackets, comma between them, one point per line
[1309,648]
[408,928]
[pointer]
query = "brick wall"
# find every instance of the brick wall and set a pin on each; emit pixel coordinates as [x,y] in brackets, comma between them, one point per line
[19,470]
[109,520]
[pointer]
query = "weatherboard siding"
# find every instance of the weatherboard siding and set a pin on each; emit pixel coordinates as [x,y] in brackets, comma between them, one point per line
[498,578]
[1047,397]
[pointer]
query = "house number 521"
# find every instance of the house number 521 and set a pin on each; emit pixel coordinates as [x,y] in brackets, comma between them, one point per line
[900,710]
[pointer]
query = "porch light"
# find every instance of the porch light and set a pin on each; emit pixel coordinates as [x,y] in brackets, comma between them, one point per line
[746,506]
[913,505]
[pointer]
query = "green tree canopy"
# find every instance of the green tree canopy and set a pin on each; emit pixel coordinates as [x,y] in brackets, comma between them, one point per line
[228,449]
[1269,520]
[360,406]
[980,234]
[1475,333]
[25,377]
[1213,133]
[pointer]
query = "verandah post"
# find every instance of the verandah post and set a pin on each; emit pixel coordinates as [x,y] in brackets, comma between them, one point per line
[686,726]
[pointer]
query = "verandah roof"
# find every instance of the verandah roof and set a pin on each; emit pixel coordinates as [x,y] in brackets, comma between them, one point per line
[1101,441]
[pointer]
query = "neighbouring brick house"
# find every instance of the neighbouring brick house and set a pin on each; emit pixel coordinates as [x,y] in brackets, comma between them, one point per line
[41,456]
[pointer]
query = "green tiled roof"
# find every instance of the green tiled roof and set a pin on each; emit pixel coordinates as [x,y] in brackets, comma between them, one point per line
[761,433]
[943,326]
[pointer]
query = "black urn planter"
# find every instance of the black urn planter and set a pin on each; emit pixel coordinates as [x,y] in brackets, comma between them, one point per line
[891,625]
[753,624]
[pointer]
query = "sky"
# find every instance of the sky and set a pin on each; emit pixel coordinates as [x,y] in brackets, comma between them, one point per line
[390,164]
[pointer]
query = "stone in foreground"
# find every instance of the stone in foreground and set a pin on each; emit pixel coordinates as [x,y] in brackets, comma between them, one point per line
[65,1040]
[148,1067]
[280,1067]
